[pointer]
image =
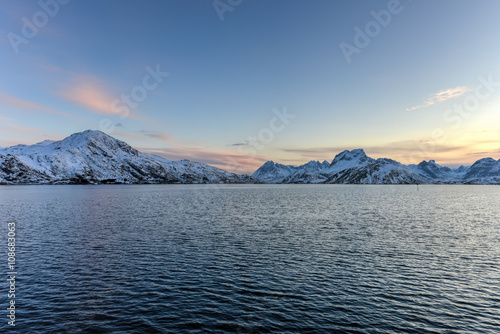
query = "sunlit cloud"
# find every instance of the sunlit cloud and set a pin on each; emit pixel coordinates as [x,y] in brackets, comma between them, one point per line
[442,96]
[122,135]
[90,93]
[239,144]
[224,159]
[144,135]
[29,105]
[19,103]
[14,128]
[157,135]
[14,134]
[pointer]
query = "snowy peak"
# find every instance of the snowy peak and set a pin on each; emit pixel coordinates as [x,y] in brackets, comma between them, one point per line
[432,170]
[97,140]
[349,159]
[272,172]
[484,168]
[357,155]
[44,143]
[86,137]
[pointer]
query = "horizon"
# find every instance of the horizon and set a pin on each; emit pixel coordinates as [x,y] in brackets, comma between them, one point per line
[205,83]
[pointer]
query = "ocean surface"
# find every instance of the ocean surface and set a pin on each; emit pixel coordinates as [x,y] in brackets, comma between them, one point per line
[253,258]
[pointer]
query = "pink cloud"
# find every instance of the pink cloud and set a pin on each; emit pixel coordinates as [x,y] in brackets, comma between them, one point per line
[19,103]
[14,134]
[144,134]
[223,159]
[89,93]
[29,105]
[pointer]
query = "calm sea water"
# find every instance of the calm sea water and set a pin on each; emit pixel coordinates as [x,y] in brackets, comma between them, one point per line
[253,259]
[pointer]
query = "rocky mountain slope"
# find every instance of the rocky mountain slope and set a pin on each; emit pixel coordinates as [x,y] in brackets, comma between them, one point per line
[95,157]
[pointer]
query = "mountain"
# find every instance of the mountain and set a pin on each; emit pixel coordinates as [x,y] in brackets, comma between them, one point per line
[430,169]
[271,172]
[95,157]
[355,167]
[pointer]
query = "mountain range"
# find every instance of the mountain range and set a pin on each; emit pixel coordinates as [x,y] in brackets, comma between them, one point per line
[94,157]
[355,167]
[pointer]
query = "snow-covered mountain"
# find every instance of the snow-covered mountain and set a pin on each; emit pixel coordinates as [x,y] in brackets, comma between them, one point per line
[355,167]
[95,157]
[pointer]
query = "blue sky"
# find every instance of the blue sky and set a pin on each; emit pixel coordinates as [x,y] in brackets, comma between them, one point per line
[423,82]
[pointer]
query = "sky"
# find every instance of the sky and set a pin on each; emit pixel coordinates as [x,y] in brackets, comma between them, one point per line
[234,83]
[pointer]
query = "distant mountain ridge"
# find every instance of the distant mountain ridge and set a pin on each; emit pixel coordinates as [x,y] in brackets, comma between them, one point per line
[355,167]
[95,157]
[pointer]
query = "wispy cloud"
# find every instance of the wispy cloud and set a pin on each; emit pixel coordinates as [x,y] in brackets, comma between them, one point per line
[224,159]
[144,134]
[157,135]
[19,103]
[29,105]
[239,144]
[90,93]
[442,96]
[14,134]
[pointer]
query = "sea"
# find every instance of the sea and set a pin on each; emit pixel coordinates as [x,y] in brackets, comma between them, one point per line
[250,259]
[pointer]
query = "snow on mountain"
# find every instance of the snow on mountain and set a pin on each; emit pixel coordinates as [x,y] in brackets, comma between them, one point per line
[349,159]
[430,169]
[380,171]
[485,170]
[95,157]
[357,168]
[271,172]
[311,172]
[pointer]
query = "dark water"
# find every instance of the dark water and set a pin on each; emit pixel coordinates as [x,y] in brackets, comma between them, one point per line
[254,259]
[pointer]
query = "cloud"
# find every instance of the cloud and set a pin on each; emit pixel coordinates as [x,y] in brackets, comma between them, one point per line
[157,135]
[29,105]
[223,159]
[442,96]
[19,103]
[127,135]
[14,134]
[14,128]
[144,134]
[90,93]
[486,131]
[239,144]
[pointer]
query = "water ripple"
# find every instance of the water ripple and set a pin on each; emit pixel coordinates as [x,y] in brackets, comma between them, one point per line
[256,259]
